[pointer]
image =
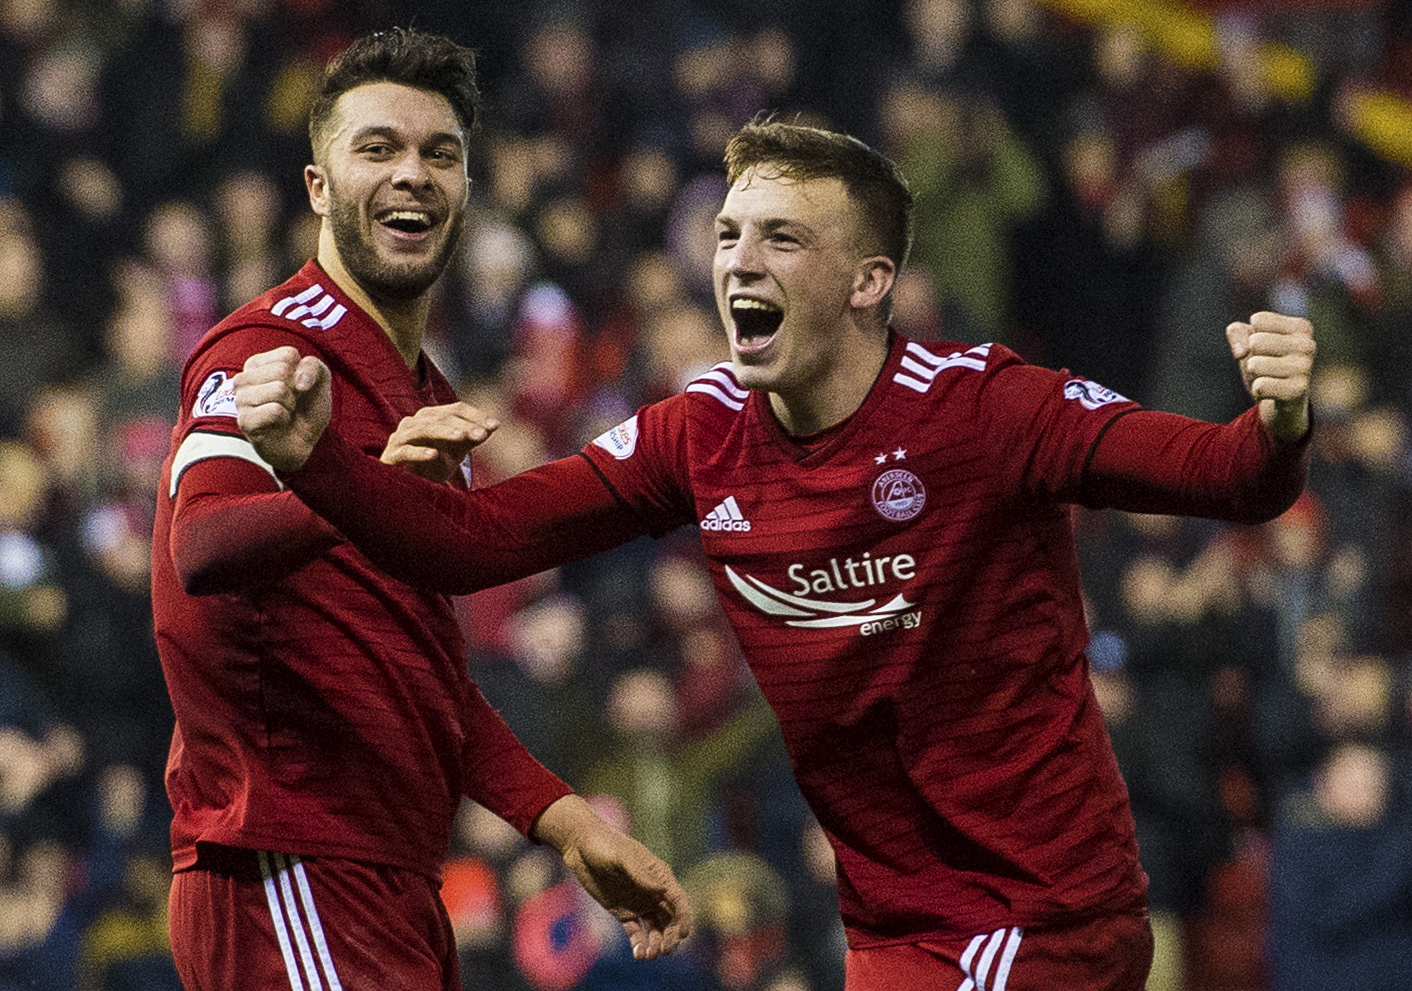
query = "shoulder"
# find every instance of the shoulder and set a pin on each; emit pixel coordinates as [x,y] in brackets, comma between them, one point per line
[921,365]
[941,372]
[712,405]
[302,308]
[716,389]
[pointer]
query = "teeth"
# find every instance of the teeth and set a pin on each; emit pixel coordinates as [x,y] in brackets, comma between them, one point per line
[416,216]
[753,304]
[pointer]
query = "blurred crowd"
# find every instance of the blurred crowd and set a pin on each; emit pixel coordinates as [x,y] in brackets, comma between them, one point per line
[1084,195]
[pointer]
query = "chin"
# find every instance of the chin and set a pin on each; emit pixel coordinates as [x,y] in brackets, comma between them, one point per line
[755,377]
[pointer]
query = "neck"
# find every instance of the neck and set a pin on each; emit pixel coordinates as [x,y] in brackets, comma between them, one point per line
[837,395]
[405,323]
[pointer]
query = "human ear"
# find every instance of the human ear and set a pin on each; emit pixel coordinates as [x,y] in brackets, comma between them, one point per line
[316,182]
[872,281]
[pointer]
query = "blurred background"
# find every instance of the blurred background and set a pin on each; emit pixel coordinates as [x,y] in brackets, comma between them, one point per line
[1100,185]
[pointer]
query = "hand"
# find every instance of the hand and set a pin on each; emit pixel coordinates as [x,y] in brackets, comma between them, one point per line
[1276,355]
[621,874]
[433,441]
[283,403]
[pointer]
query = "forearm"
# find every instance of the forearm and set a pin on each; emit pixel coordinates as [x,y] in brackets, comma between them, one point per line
[227,538]
[562,821]
[499,771]
[1151,462]
[455,541]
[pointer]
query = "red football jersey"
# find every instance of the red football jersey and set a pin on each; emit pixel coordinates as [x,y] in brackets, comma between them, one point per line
[908,600]
[322,707]
[905,589]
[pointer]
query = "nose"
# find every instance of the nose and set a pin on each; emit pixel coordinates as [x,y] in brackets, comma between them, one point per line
[742,257]
[410,171]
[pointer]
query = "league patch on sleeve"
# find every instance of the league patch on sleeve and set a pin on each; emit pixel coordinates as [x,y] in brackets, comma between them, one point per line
[621,441]
[1091,395]
[216,396]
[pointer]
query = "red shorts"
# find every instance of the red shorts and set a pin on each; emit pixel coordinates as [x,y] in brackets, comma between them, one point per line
[248,919]
[1111,953]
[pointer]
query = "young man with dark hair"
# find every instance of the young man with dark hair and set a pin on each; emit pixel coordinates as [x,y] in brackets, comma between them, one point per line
[887,525]
[326,726]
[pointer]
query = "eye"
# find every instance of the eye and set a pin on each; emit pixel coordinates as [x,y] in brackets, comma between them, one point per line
[378,149]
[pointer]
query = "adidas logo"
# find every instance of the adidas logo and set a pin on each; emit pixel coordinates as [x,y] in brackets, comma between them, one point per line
[313,308]
[726,516]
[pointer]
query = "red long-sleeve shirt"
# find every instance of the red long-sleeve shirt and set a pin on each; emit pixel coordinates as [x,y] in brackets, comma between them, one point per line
[906,593]
[322,706]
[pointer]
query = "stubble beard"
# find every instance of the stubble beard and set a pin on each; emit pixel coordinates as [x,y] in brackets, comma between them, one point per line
[384,281]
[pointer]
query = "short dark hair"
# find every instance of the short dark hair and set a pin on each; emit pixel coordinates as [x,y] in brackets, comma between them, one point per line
[400,55]
[797,152]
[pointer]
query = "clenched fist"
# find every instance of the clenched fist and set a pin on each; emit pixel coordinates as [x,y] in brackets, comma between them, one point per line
[1276,356]
[283,403]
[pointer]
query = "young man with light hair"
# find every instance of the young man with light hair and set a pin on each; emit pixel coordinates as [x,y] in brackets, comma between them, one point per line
[887,524]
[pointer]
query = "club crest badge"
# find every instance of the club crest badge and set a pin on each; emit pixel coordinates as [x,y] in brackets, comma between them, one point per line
[898,495]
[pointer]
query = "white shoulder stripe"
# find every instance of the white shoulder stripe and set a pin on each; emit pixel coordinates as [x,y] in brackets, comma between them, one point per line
[199,446]
[725,375]
[916,385]
[711,390]
[927,372]
[317,313]
[921,367]
[916,350]
[288,301]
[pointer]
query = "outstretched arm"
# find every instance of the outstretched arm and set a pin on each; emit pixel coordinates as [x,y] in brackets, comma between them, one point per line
[1154,462]
[425,534]
[620,873]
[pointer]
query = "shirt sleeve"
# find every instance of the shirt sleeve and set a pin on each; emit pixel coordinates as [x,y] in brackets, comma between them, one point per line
[644,461]
[1068,439]
[500,773]
[455,541]
[1152,462]
[233,527]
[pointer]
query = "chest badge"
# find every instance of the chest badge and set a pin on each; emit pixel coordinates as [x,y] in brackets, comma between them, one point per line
[898,495]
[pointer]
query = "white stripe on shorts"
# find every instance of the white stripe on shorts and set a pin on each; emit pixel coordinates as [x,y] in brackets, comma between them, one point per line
[294,931]
[988,946]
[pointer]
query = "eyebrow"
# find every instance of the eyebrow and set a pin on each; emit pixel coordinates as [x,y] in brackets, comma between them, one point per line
[769,224]
[391,132]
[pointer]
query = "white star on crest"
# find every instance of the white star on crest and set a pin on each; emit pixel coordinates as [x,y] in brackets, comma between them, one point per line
[900,454]
[880,459]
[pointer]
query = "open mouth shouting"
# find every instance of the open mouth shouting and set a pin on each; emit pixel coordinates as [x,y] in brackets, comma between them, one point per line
[754,322]
[407,224]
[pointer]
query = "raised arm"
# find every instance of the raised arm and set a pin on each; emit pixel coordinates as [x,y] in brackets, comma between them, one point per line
[1249,470]
[232,526]
[1276,357]
[425,534]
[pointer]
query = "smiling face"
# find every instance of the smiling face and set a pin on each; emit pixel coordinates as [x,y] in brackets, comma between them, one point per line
[392,187]
[796,296]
